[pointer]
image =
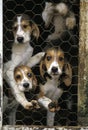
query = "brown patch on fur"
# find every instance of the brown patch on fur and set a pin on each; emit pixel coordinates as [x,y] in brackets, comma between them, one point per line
[26,26]
[41,94]
[18,76]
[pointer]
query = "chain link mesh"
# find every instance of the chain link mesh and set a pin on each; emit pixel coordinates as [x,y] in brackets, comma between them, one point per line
[69,45]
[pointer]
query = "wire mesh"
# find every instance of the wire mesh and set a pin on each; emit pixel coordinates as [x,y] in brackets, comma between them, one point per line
[69,44]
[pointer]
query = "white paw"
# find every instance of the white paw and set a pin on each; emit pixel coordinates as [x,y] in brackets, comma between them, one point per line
[28,105]
[70,23]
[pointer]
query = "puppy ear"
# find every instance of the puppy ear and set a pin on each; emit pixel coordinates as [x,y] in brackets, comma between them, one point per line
[41,68]
[35,30]
[34,82]
[68,74]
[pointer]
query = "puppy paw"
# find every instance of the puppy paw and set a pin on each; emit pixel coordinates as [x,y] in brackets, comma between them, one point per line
[35,104]
[28,105]
[70,23]
[53,107]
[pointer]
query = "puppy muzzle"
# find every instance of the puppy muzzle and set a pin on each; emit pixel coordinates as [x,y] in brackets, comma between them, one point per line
[20,39]
[26,85]
[55,71]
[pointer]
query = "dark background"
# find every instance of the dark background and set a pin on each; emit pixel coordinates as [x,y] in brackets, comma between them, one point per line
[69,44]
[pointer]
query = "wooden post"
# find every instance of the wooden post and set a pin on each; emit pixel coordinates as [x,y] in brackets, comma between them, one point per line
[83,58]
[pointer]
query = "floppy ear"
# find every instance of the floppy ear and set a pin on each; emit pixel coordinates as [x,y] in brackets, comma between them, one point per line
[35,30]
[42,68]
[68,74]
[34,82]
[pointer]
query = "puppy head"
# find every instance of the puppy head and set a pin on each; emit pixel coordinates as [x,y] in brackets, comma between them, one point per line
[24,78]
[55,65]
[23,28]
[52,63]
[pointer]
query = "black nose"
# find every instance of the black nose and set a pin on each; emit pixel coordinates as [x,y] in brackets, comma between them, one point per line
[20,39]
[26,85]
[54,69]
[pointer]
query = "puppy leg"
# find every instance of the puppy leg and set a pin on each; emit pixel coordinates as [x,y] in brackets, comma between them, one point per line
[47,103]
[20,97]
[50,118]
[47,17]
[54,36]
[47,14]
[12,115]
[35,59]
[44,101]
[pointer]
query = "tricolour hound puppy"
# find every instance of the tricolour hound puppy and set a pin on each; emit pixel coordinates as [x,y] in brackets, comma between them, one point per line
[60,16]
[23,28]
[26,81]
[52,67]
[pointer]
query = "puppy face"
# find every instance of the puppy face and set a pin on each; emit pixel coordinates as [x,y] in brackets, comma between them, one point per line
[54,62]
[23,27]
[24,78]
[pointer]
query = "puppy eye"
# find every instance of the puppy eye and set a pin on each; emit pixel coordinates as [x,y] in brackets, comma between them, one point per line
[48,58]
[25,26]
[18,77]
[15,28]
[61,58]
[29,75]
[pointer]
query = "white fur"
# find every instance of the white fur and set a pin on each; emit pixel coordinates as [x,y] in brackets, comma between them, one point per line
[62,8]
[46,14]
[44,101]
[55,64]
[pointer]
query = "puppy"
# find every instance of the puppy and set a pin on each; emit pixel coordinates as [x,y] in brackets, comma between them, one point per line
[52,67]
[60,16]
[26,81]
[23,28]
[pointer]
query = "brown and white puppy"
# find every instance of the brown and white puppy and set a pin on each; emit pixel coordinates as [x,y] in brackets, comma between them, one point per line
[26,81]
[60,16]
[52,67]
[23,28]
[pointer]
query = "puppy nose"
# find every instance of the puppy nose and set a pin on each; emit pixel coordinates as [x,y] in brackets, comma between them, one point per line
[26,85]
[54,69]
[20,39]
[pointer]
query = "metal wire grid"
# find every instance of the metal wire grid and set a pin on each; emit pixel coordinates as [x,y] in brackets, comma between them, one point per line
[69,45]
